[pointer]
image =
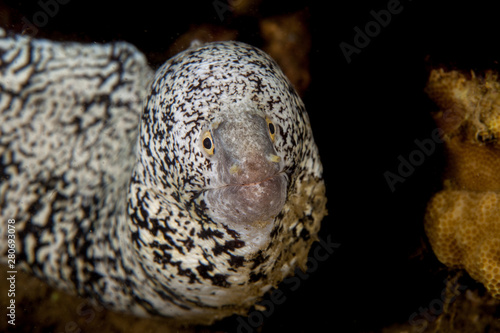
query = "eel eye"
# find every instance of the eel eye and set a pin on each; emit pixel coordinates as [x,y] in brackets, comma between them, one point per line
[271,127]
[208,143]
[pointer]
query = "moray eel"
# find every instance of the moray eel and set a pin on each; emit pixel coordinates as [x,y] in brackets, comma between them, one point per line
[187,192]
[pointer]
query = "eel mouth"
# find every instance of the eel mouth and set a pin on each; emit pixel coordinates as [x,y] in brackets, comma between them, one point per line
[248,203]
[257,182]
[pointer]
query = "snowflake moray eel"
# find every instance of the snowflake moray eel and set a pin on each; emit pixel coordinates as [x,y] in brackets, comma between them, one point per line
[185,192]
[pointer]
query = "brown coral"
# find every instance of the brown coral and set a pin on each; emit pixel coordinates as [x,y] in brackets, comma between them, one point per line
[463,220]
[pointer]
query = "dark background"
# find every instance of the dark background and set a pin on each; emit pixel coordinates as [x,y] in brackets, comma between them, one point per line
[364,115]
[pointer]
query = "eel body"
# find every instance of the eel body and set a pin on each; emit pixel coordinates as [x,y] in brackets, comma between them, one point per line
[185,192]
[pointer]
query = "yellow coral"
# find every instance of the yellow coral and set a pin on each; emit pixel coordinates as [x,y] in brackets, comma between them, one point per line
[463,229]
[462,221]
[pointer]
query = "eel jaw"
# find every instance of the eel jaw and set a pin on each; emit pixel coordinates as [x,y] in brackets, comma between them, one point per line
[249,204]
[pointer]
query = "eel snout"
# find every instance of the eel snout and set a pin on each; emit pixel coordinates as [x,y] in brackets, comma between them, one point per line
[250,185]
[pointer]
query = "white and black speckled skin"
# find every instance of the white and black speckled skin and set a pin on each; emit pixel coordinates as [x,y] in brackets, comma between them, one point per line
[114,196]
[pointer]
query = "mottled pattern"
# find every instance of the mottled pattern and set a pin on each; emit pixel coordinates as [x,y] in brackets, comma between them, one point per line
[133,223]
